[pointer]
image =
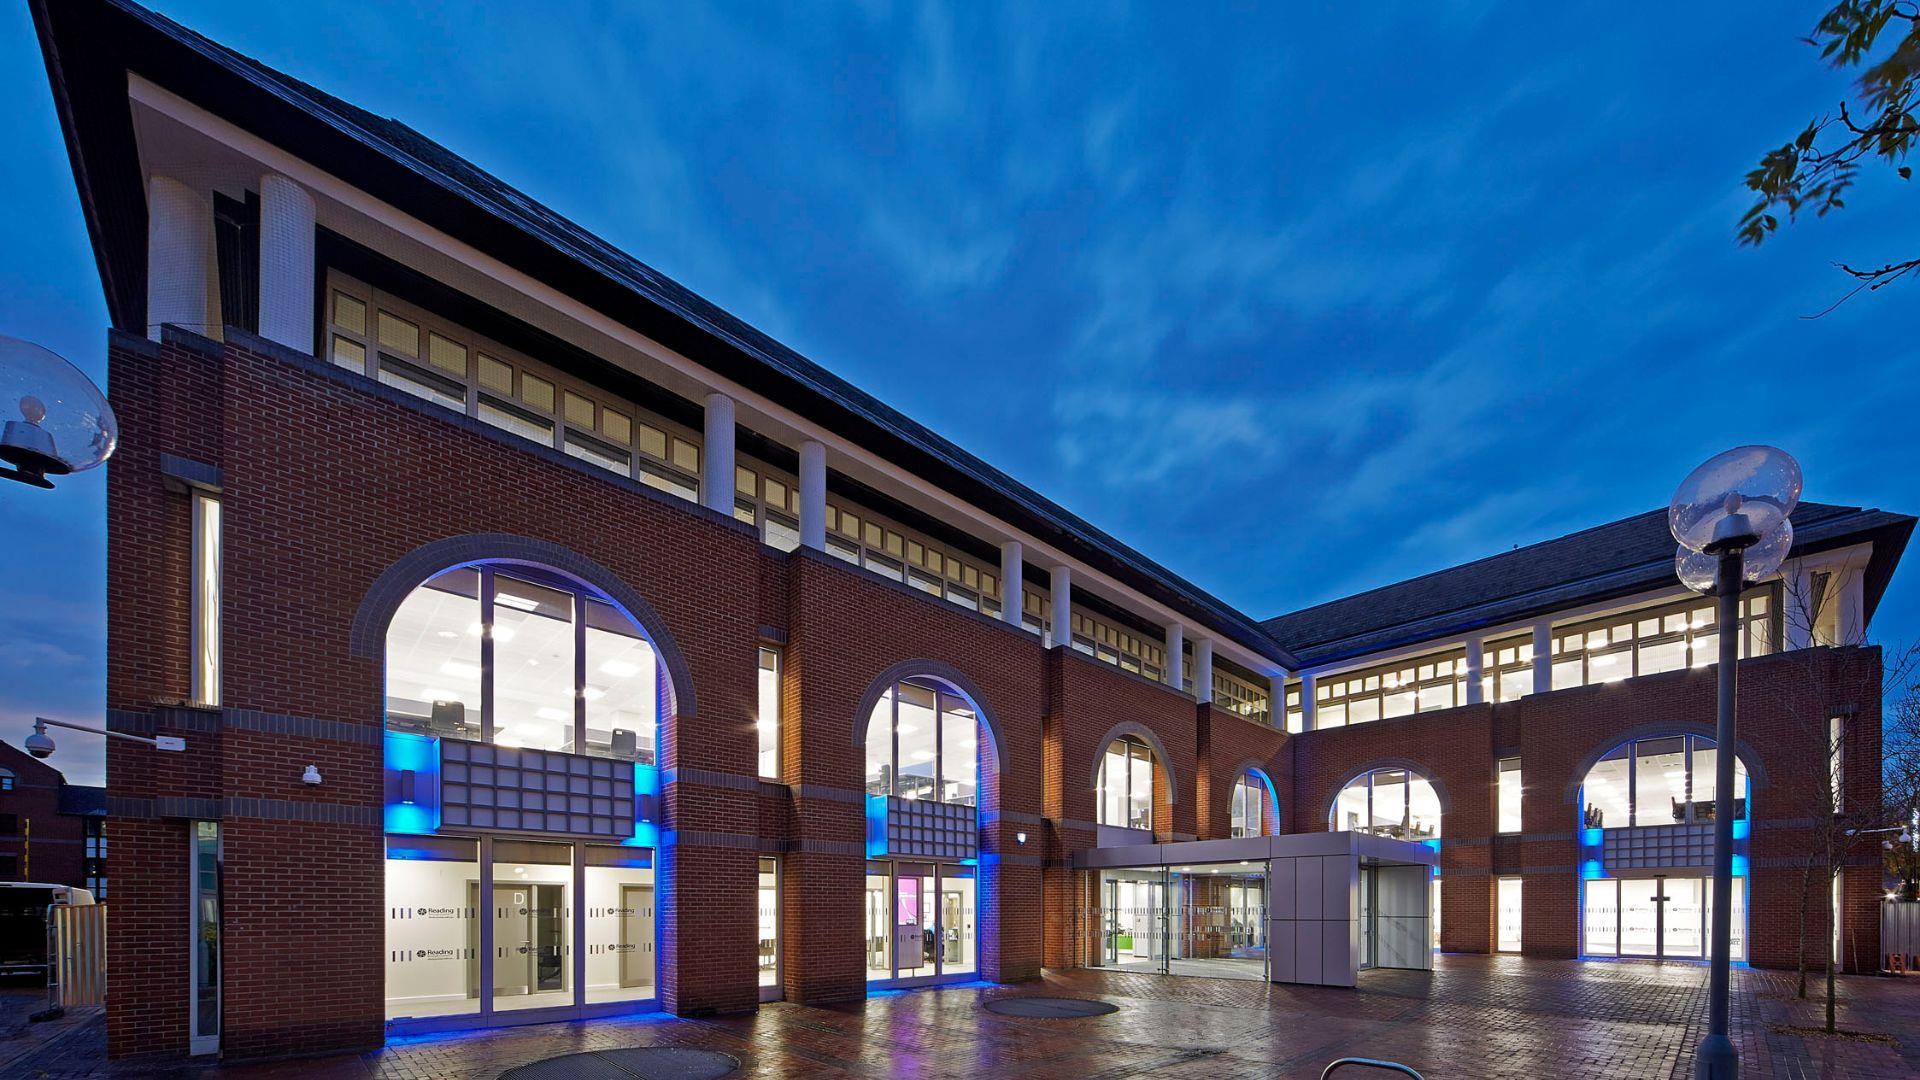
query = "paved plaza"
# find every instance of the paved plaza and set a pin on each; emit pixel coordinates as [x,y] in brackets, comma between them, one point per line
[1474,1016]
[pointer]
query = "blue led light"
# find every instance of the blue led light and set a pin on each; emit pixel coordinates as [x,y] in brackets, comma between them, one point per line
[646,792]
[1592,869]
[406,751]
[1742,828]
[876,825]
[1434,844]
[1592,837]
[1739,866]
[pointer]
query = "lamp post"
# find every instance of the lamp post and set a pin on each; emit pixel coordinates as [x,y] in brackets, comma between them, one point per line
[1730,517]
[64,423]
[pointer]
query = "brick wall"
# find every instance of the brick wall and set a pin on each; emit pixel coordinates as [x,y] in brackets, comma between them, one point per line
[44,844]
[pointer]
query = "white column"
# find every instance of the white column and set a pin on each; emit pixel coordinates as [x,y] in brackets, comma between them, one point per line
[1475,671]
[1850,622]
[1277,699]
[1796,616]
[1062,598]
[716,479]
[179,257]
[1011,592]
[1176,654]
[813,495]
[1308,720]
[1542,656]
[1203,669]
[286,263]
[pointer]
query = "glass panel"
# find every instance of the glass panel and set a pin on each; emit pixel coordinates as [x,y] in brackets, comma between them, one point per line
[916,736]
[879,922]
[206,932]
[1639,917]
[916,952]
[1510,795]
[536,392]
[349,354]
[1681,933]
[1602,918]
[398,334]
[622,685]
[533,675]
[206,599]
[349,313]
[433,937]
[957,922]
[686,455]
[1389,803]
[1350,809]
[1113,786]
[577,409]
[1515,685]
[593,451]
[1424,810]
[1662,656]
[516,420]
[423,384]
[447,355]
[767,714]
[433,658]
[768,905]
[1605,793]
[532,955]
[1333,716]
[880,746]
[1139,787]
[495,375]
[1737,932]
[1508,920]
[959,751]
[616,426]
[1660,781]
[620,924]
[1568,673]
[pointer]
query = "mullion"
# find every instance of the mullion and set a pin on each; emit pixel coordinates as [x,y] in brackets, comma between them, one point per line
[580,675]
[486,655]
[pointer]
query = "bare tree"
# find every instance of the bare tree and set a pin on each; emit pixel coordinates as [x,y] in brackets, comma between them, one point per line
[1828,702]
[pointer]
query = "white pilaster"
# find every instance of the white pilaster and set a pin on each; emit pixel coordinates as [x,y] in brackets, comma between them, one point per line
[286,263]
[1308,718]
[1203,669]
[180,268]
[1277,700]
[1062,598]
[1797,616]
[1542,656]
[813,495]
[1176,655]
[716,478]
[1012,594]
[1476,694]
[1850,622]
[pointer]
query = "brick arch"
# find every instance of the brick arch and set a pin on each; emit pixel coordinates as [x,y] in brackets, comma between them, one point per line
[1252,765]
[1743,750]
[1144,734]
[1375,765]
[939,671]
[368,637]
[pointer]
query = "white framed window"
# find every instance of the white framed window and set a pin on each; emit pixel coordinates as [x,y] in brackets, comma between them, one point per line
[205,608]
[767,719]
[1509,778]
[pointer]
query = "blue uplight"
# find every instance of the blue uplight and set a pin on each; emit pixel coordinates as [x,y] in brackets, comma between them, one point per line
[1434,844]
[406,751]
[1592,837]
[1592,869]
[646,800]
[876,826]
[1742,828]
[1739,866]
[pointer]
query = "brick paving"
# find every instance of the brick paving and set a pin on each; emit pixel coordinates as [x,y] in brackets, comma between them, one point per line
[1474,1016]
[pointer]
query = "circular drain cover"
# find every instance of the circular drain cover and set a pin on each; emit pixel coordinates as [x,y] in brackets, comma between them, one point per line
[643,1062]
[1049,1008]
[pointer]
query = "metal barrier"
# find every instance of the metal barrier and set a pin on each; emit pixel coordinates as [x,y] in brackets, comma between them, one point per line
[1899,935]
[1370,1063]
[76,955]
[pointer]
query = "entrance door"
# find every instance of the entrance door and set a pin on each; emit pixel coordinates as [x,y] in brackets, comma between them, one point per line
[1681,934]
[1640,901]
[529,955]
[636,935]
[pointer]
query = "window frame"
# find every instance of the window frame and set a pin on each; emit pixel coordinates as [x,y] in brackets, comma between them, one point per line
[1136,749]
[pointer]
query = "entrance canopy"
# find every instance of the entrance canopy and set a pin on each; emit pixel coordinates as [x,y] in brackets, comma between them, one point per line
[1313,908]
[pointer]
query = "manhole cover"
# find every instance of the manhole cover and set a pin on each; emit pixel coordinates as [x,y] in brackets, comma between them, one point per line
[1048,1008]
[644,1062]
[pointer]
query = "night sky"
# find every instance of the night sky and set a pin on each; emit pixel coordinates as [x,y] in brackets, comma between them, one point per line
[1296,301]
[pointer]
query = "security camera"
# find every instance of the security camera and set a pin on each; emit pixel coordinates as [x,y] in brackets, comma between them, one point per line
[40,744]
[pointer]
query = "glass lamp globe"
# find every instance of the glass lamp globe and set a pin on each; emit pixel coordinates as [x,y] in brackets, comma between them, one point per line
[1734,498]
[57,421]
[1697,570]
[1763,558]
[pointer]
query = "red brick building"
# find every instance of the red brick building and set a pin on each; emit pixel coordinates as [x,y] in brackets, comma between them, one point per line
[548,643]
[51,831]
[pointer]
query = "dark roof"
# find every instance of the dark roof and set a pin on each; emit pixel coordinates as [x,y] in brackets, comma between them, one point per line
[90,44]
[83,799]
[1591,566]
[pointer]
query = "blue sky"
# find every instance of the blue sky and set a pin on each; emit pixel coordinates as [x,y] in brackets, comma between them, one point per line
[1298,300]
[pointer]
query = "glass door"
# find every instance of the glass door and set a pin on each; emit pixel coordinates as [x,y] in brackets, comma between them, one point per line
[914,954]
[1683,908]
[532,947]
[1640,900]
[203,1037]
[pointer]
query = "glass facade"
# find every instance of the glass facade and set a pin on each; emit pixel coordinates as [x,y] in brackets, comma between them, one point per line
[922,921]
[1206,920]
[1663,916]
[1663,638]
[1388,802]
[1660,781]
[620,896]
[1123,791]
[518,657]
[1251,812]
[923,742]
[1507,914]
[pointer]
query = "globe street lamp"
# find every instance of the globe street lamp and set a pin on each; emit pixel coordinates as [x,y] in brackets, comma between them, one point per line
[1730,517]
[63,425]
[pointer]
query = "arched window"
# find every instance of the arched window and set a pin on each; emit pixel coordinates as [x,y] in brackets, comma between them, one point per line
[923,742]
[6,779]
[1124,789]
[1253,812]
[1388,802]
[1668,780]
[519,656]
